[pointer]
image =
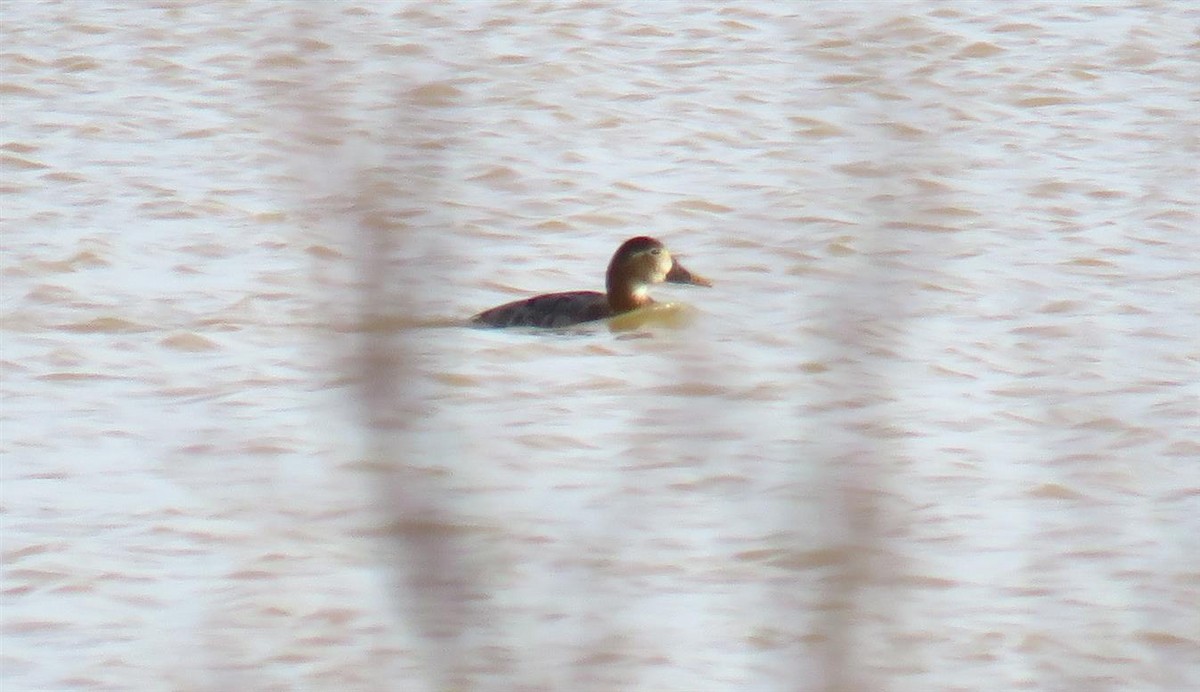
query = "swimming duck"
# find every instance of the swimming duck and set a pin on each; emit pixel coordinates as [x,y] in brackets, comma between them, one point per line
[639,262]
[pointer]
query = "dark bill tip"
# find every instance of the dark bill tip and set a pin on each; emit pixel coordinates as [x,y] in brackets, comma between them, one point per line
[679,275]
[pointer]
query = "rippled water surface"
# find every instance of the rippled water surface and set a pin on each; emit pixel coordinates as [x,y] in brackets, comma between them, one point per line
[934,427]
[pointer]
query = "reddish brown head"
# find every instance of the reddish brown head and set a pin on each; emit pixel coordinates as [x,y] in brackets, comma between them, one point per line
[637,264]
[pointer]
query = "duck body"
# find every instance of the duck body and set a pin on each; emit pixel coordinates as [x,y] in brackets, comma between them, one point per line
[549,310]
[637,264]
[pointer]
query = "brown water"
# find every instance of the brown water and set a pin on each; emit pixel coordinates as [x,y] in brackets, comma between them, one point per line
[935,427]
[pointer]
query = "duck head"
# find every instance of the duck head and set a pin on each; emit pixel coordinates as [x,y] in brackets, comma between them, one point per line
[637,264]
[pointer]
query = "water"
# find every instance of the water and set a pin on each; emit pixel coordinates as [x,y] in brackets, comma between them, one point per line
[934,427]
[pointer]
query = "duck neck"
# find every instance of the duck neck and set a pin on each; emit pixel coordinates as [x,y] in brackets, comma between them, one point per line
[625,293]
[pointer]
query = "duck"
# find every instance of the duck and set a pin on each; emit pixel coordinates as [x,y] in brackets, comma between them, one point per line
[635,266]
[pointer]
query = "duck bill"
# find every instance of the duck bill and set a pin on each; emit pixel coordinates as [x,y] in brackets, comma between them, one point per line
[679,275]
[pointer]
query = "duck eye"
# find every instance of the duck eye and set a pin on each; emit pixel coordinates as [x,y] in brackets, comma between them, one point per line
[656,251]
